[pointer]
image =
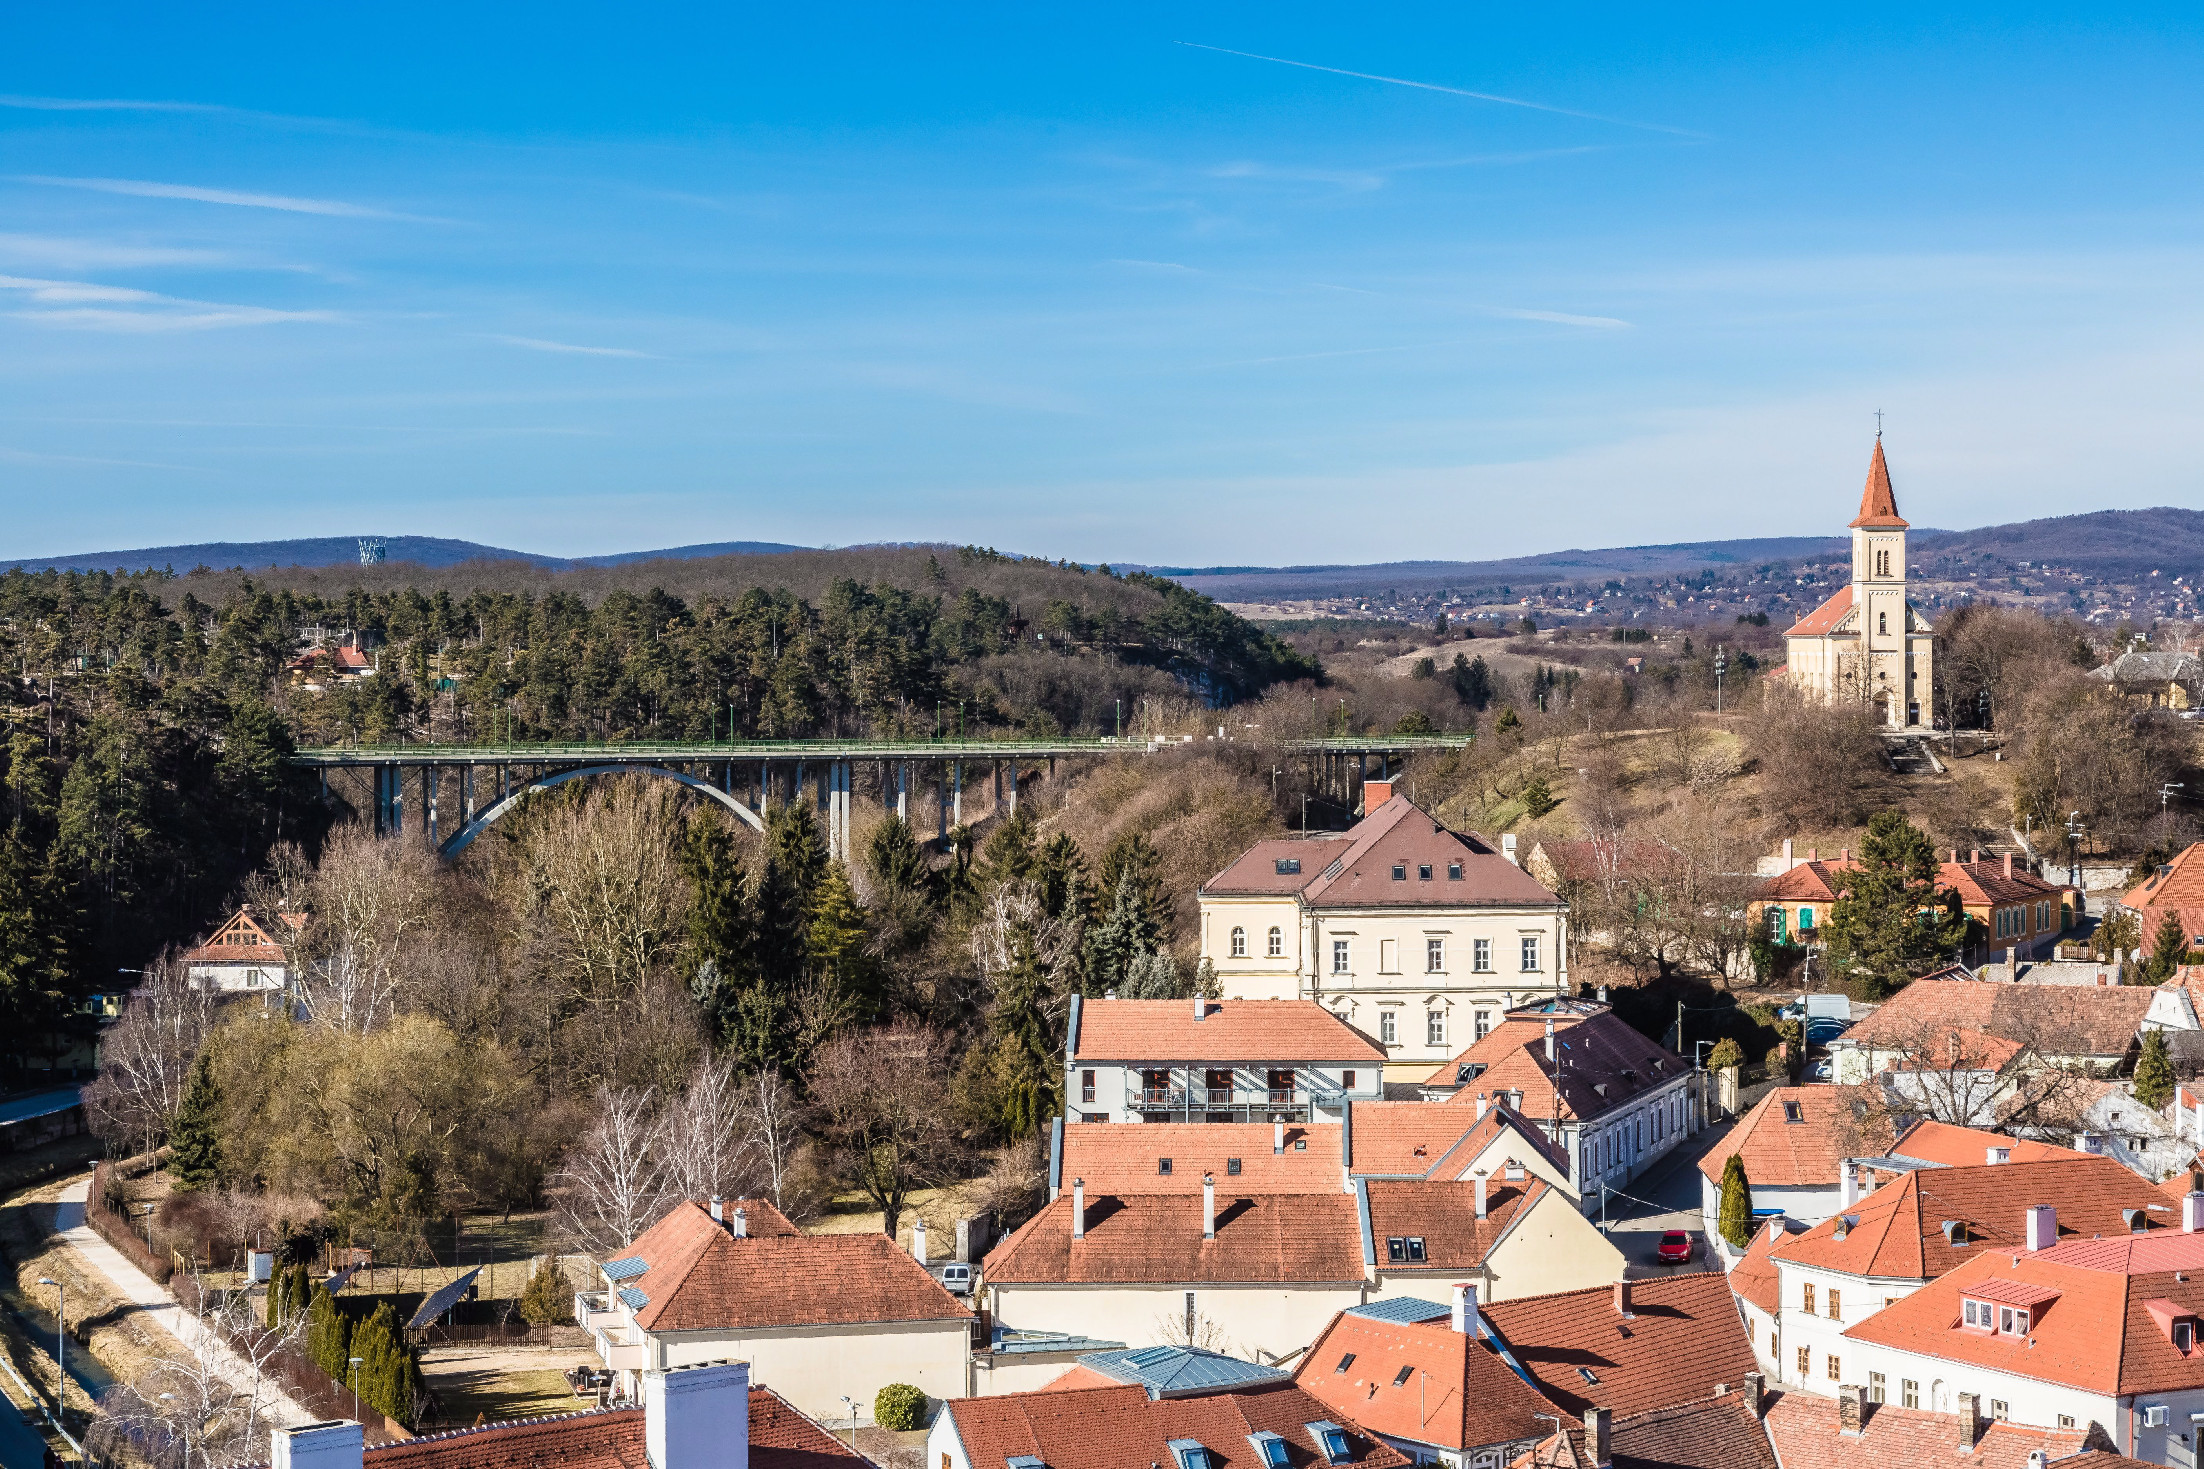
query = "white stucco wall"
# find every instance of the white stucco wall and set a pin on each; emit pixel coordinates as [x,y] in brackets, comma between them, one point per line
[1248,1318]
[815,1367]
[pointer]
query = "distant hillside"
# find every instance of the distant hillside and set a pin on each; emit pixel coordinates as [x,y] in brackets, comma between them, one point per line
[314,551]
[2120,545]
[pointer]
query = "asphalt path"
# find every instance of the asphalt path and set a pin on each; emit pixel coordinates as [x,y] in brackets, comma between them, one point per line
[1663,1198]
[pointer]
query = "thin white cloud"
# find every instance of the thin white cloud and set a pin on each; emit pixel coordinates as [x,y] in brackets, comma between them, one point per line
[1560,318]
[103,254]
[1651,127]
[101,104]
[89,306]
[147,189]
[541,344]
[1170,265]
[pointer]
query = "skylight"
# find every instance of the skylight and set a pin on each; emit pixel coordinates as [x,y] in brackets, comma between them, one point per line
[1404,1374]
[1289,866]
[1345,1362]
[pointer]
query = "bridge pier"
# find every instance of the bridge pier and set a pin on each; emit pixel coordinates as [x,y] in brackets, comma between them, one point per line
[902,791]
[957,769]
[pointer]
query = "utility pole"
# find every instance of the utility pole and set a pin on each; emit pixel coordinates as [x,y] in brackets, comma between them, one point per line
[1721,666]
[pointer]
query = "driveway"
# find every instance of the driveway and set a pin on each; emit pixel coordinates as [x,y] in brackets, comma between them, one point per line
[1665,1197]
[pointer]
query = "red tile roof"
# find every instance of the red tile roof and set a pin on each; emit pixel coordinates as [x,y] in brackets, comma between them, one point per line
[1810,881]
[1359,873]
[2179,890]
[1795,1136]
[243,939]
[1898,1230]
[1681,1341]
[1283,1031]
[1599,1063]
[1424,1382]
[1157,1238]
[612,1438]
[2099,1334]
[1445,1215]
[1964,1147]
[1438,1140]
[1825,617]
[700,1278]
[1712,1433]
[1803,1427]
[1878,506]
[2056,1020]
[1753,1278]
[1982,884]
[1599,857]
[1117,1427]
[1122,1157]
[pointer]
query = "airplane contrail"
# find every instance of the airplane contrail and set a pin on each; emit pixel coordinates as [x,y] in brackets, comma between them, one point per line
[1651,127]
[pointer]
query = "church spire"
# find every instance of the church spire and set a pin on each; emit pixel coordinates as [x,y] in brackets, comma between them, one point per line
[1878,506]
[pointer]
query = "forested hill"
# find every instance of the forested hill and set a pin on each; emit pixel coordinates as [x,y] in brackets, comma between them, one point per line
[340,550]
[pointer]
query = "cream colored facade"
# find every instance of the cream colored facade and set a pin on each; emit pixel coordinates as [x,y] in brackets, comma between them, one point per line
[1258,1323]
[1551,1248]
[1423,1004]
[1878,650]
[814,1367]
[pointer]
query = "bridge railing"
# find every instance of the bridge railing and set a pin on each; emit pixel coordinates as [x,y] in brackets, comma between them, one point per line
[623,751]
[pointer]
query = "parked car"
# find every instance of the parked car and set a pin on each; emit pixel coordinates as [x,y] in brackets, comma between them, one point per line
[1816,1070]
[1674,1248]
[956,1279]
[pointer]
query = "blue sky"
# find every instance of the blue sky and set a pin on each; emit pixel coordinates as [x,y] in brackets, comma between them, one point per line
[584,279]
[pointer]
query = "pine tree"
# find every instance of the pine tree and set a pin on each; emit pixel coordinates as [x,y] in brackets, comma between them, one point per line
[1062,877]
[835,941]
[1133,857]
[328,1335]
[195,1138]
[1889,923]
[2154,1071]
[896,861]
[1472,679]
[2169,949]
[1538,797]
[1734,1221]
[1012,852]
[1129,930]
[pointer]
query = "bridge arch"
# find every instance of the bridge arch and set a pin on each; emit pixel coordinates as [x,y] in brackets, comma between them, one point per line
[465,836]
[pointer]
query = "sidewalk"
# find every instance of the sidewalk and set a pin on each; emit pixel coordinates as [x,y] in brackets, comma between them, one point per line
[135,1286]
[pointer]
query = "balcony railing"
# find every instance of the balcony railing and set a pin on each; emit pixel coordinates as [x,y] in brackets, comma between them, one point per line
[1216,1099]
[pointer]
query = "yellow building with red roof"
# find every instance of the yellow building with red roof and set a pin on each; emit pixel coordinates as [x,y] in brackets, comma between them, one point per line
[1867,643]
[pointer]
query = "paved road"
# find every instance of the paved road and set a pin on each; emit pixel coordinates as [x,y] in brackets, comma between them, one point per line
[1665,1198]
[140,1289]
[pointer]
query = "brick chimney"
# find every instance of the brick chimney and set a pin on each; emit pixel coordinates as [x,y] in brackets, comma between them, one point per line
[1079,1208]
[1851,1409]
[1755,1386]
[1209,1206]
[740,1229]
[1376,793]
[698,1415]
[2008,864]
[1466,1319]
[1622,1301]
[332,1445]
[1482,1209]
[1970,1422]
[1598,1439]
[2042,1226]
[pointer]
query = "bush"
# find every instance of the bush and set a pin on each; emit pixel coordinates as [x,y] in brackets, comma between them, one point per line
[548,1300]
[899,1407]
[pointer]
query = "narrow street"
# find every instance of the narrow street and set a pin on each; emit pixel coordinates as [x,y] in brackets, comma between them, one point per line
[1665,1198]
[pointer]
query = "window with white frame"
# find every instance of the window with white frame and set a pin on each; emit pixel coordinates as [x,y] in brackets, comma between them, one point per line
[1239,943]
[1530,953]
[1339,956]
[1434,956]
[1480,955]
[1434,1027]
[1277,948]
[1484,1024]
[1388,1027]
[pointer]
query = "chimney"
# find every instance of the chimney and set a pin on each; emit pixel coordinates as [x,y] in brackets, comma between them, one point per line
[1995,1155]
[918,1239]
[1848,1185]
[331,1445]
[1813,854]
[1549,1038]
[2041,1226]
[1845,855]
[698,1417]
[719,1211]
[1209,1206]
[1466,1319]
[1079,1208]
[1376,793]
[1507,846]
[1481,1105]
[1598,1442]
[2192,1212]
[1603,994]
[1851,1409]
[741,1229]
[2038,1459]
[1970,1422]
[1974,855]
[1481,1207]
[1775,1229]
[1201,1008]
[1622,1301]
[2008,864]
[1788,860]
[1277,1137]
[1755,1385]
[1515,1098]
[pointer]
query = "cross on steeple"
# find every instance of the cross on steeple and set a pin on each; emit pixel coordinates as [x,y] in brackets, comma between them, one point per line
[1878,423]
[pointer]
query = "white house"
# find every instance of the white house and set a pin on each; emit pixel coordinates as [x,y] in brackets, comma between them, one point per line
[1215,1061]
[244,956]
[1419,936]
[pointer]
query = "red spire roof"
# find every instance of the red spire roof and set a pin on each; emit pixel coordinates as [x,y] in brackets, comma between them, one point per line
[1878,507]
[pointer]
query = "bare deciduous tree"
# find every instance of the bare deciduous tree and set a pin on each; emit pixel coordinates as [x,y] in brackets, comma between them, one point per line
[612,1186]
[771,1118]
[211,1401]
[371,900]
[146,1058]
[700,1141]
[883,1102]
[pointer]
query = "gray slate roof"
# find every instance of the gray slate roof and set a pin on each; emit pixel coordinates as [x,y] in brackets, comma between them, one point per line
[1402,1310]
[1180,1372]
[2162,667]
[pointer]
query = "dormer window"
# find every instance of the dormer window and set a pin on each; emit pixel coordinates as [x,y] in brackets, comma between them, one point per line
[1404,1249]
[2137,1220]
[1955,1231]
[1331,1441]
[1270,1449]
[1188,1452]
[1232,1167]
[1289,866]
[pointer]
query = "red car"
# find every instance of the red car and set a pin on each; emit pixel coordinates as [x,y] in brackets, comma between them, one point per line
[1675,1248]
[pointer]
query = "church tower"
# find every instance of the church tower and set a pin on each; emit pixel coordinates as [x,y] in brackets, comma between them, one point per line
[1867,643]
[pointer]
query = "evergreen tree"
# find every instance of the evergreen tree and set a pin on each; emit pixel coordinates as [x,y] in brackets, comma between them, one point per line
[1726,1053]
[1133,857]
[1472,680]
[195,1137]
[1012,853]
[2169,949]
[1129,930]
[1538,798]
[895,860]
[835,942]
[2154,1071]
[1061,877]
[328,1334]
[33,952]
[548,1300]
[1889,924]
[1734,1220]
[1027,1038]
[795,865]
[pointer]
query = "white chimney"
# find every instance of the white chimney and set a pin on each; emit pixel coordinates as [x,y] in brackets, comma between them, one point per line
[332,1445]
[1209,1206]
[2042,1226]
[1278,1137]
[698,1417]
[1480,1193]
[1993,1156]
[1201,1008]
[1848,1185]
[1549,1038]
[1466,1319]
[1079,1208]
[1481,1105]
[1507,846]
[742,1222]
[2192,1213]
[2038,1459]
[718,1211]
[918,1239]
[1788,859]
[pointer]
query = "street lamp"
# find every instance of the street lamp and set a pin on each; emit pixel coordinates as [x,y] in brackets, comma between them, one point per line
[354,1373]
[1721,666]
[147,1215]
[851,1404]
[61,1348]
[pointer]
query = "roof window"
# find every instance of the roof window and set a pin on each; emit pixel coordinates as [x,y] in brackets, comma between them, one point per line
[1423,872]
[1163,1167]
[1289,866]
[1955,1231]
[1025,1461]
[1403,1375]
[1188,1452]
[1270,1447]
[1404,1249]
[2137,1220]
[1232,1166]
[1331,1441]
[1345,1362]
[1591,1378]
[1453,872]
[1400,872]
